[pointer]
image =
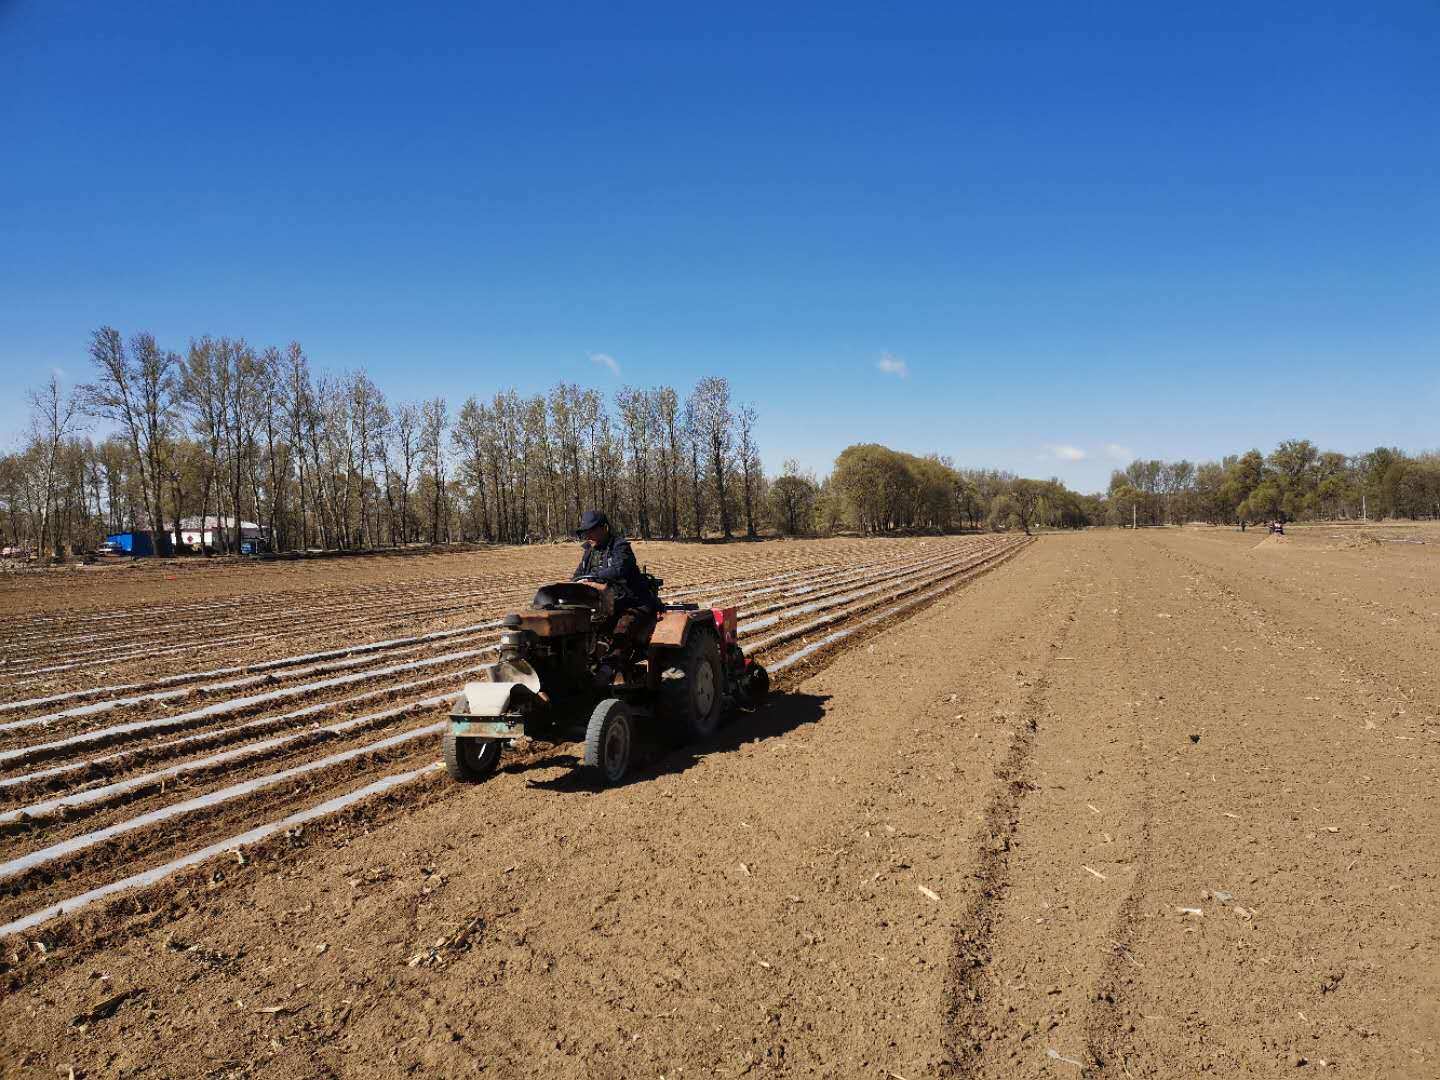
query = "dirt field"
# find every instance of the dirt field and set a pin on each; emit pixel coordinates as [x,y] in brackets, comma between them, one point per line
[1152,804]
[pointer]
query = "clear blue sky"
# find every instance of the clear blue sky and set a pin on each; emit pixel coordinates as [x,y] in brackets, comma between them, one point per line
[1109,227]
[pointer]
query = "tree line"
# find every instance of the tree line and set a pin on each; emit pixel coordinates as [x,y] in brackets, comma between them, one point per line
[229,433]
[232,433]
[875,489]
[1295,482]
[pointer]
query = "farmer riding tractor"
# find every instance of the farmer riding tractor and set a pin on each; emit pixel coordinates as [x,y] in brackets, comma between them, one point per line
[553,681]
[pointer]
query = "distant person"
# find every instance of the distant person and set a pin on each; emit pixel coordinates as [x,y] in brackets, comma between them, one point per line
[609,560]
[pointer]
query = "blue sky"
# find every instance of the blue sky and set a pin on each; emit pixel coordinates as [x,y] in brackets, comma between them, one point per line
[1037,236]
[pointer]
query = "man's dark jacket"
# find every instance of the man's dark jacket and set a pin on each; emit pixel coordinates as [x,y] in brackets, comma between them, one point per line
[613,562]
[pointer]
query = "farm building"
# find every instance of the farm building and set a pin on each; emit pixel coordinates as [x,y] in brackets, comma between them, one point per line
[216,532]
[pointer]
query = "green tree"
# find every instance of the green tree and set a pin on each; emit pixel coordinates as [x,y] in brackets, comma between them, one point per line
[1028,496]
[792,500]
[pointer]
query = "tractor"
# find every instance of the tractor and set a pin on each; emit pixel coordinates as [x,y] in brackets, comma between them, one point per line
[545,683]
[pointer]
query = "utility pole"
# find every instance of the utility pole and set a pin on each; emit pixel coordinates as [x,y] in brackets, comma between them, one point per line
[1132,516]
[1364,516]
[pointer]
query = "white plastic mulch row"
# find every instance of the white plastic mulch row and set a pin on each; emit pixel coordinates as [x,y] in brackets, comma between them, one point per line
[761,618]
[164,615]
[236,732]
[244,703]
[290,625]
[786,594]
[114,790]
[958,566]
[948,569]
[108,792]
[290,661]
[60,850]
[335,614]
[223,708]
[237,669]
[253,836]
[840,635]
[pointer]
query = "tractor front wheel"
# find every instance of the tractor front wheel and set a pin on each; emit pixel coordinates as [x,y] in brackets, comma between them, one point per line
[609,738]
[468,759]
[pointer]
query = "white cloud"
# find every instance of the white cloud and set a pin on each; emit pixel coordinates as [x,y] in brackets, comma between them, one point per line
[1067,453]
[893,365]
[1116,452]
[607,361]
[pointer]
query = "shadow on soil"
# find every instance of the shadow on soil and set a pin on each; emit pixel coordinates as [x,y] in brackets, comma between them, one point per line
[780,715]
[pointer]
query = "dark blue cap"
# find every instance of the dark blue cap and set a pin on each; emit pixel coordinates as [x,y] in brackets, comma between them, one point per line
[590,519]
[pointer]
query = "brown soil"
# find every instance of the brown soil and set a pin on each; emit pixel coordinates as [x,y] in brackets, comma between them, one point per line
[1153,804]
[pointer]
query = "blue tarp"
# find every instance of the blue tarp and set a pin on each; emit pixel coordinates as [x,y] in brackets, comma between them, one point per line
[141,543]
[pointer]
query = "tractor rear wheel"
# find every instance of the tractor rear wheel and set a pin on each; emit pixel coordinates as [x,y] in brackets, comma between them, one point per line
[470,760]
[691,684]
[609,738]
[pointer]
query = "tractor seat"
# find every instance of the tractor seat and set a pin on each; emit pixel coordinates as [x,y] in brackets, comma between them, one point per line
[586,596]
[557,622]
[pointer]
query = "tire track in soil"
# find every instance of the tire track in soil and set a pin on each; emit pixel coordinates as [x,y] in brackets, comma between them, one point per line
[1247,996]
[967,982]
[1292,622]
[1107,1032]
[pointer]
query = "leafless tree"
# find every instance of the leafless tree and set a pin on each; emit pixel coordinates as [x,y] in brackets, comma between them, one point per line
[407,438]
[435,421]
[138,390]
[669,425]
[714,430]
[752,474]
[53,417]
[240,434]
[694,443]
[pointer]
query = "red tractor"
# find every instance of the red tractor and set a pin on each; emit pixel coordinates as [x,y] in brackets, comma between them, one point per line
[544,684]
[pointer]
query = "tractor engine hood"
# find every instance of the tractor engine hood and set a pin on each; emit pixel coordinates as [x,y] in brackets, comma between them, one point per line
[508,683]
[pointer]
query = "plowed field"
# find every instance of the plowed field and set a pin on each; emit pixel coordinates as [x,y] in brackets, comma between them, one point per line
[1133,804]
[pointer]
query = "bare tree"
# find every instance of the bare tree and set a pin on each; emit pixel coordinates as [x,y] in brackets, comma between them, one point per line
[202,396]
[271,377]
[472,438]
[138,390]
[714,430]
[694,441]
[407,436]
[366,408]
[296,400]
[240,386]
[383,429]
[669,427]
[751,473]
[246,435]
[53,416]
[636,419]
[435,420]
